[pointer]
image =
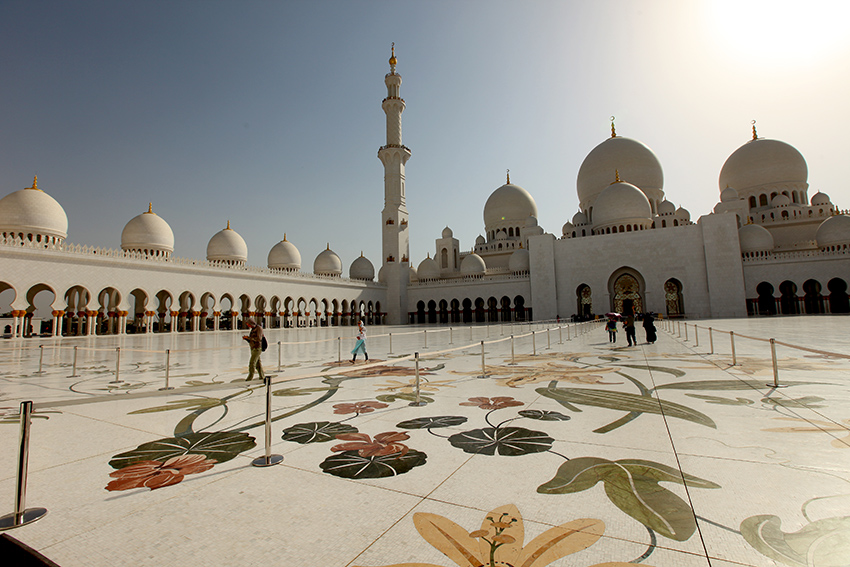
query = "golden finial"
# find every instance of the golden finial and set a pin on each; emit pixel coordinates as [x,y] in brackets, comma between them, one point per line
[509,176]
[393,60]
[755,136]
[361,253]
[284,237]
[150,208]
[228,225]
[616,176]
[329,246]
[613,131]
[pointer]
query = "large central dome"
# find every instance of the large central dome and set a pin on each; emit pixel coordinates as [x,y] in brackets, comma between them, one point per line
[508,204]
[636,163]
[32,212]
[763,163]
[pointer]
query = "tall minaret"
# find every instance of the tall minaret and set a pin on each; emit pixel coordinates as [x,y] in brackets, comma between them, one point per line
[395,235]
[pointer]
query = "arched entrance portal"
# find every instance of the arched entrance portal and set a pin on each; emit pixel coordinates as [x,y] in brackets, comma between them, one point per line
[626,285]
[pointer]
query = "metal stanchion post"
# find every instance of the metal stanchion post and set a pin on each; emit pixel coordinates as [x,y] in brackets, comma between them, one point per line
[418,402]
[40,359]
[533,344]
[483,367]
[696,336]
[775,365]
[425,334]
[74,367]
[560,337]
[391,343]
[548,340]
[710,341]
[339,350]
[167,369]
[21,516]
[513,357]
[268,459]
[117,366]
[470,332]
[734,358]
[686,331]
[679,328]
[451,336]
[278,356]
[488,330]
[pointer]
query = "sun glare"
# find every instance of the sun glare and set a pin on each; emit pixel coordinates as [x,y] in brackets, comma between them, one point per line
[780,32]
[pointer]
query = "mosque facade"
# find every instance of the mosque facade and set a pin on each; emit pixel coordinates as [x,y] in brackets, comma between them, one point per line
[766,248]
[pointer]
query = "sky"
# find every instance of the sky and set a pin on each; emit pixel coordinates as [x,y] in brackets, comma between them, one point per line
[268,114]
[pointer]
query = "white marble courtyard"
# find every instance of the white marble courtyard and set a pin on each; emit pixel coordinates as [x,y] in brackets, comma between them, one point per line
[660,454]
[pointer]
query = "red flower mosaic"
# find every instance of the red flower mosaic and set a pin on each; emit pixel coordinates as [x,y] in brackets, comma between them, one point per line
[154,474]
[498,402]
[384,444]
[359,407]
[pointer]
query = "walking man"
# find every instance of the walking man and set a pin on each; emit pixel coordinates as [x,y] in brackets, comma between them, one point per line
[255,341]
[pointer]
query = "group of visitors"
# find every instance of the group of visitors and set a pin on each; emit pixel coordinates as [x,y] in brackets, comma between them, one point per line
[257,343]
[628,318]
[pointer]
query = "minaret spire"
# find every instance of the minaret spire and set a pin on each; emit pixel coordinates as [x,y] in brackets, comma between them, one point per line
[394,218]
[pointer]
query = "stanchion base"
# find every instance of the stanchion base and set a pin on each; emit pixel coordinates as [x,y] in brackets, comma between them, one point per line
[418,404]
[73,376]
[30,515]
[774,386]
[40,372]
[116,381]
[483,376]
[267,461]
[168,388]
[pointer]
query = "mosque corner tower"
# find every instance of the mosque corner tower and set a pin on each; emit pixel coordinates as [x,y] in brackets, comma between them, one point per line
[394,217]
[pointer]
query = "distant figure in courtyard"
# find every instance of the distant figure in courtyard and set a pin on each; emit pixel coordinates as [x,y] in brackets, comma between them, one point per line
[255,341]
[629,325]
[649,327]
[611,327]
[360,346]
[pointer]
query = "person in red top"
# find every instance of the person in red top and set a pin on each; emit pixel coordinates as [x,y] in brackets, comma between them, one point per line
[255,341]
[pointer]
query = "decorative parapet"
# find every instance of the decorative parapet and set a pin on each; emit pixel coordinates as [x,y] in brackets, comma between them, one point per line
[791,255]
[77,250]
[492,276]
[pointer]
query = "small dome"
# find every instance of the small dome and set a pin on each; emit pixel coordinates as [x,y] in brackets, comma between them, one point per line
[480,240]
[567,228]
[32,211]
[666,208]
[148,232]
[834,231]
[227,246]
[579,218]
[531,222]
[473,265]
[414,277]
[447,233]
[636,163]
[683,214]
[428,269]
[520,261]
[755,238]
[361,269]
[501,235]
[780,201]
[327,263]
[509,203]
[382,277]
[728,195]
[763,162]
[621,202]
[820,199]
[284,256]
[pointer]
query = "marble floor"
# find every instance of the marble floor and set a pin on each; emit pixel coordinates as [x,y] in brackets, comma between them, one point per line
[557,448]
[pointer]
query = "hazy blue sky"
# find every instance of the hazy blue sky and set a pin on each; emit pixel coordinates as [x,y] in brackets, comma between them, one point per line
[268,114]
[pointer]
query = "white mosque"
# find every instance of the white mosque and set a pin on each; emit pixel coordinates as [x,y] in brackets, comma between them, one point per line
[766,248]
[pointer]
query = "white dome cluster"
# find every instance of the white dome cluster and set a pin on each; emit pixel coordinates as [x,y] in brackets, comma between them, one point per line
[33,215]
[834,232]
[509,205]
[762,164]
[361,269]
[621,203]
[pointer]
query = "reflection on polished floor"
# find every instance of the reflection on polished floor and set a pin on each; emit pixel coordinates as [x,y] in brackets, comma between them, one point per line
[557,448]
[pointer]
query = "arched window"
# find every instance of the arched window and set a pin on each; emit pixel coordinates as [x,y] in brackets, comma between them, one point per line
[511,231]
[673,297]
[763,200]
[752,202]
[444,258]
